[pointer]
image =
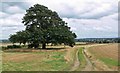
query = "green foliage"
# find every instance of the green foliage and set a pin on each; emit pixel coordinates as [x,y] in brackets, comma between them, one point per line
[43,26]
[13,46]
[20,37]
[3,48]
[13,38]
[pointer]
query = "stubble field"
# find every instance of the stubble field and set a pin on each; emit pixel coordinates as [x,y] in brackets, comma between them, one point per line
[107,54]
[61,58]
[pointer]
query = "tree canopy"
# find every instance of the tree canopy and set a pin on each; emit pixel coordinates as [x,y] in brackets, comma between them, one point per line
[20,37]
[45,26]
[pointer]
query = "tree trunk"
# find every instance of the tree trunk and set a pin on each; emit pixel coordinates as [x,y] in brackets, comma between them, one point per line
[43,45]
[20,43]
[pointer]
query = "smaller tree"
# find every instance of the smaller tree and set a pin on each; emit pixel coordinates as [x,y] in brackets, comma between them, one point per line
[20,37]
[13,38]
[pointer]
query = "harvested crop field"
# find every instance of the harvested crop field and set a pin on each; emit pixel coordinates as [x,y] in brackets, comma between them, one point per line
[38,60]
[34,61]
[106,53]
[110,51]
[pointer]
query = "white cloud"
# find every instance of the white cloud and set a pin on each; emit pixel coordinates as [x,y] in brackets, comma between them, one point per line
[2,15]
[104,27]
[11,24]
[80,8]
[99,11]
[16,17]
[12,0]
[14,9]
[113,16]
[87,18]
[73,28]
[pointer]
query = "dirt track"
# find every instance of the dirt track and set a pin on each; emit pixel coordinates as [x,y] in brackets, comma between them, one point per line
[98,65]
[89,66]
[76,63]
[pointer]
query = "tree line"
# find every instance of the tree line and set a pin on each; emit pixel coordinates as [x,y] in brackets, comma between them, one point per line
[99,40]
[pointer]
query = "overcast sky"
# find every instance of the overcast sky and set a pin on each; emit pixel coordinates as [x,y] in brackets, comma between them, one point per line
[87,18]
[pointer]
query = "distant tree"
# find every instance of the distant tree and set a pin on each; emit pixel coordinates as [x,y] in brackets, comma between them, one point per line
[45,26]
[118,40]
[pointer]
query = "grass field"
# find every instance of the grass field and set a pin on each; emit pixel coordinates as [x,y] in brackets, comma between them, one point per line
[57,58]
[107,54]
[39,60]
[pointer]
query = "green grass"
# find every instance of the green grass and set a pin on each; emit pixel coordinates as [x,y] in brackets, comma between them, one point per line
[81,58]
[56,62]
[109,62]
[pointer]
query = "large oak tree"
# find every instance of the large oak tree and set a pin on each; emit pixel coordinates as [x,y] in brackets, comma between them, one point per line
[45,26]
